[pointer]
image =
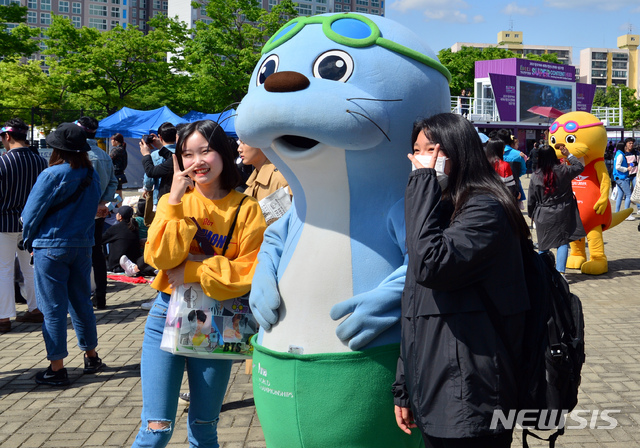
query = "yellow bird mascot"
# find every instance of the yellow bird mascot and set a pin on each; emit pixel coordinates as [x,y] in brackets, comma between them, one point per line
[585,137]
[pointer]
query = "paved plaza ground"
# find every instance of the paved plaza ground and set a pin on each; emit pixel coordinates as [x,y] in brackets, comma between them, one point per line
[104,409]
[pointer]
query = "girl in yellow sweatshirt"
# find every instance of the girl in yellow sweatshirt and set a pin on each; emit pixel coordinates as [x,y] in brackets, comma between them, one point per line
[195,218]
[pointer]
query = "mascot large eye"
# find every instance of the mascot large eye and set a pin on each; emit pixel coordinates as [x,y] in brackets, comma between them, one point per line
[570,138]
[268,68]
[334,65]
[553,140]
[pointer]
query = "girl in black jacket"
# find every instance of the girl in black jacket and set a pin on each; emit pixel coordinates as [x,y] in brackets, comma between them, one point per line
[464,232]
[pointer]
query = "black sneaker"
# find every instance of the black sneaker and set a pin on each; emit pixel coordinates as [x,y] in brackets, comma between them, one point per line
[92,365]
[51,378]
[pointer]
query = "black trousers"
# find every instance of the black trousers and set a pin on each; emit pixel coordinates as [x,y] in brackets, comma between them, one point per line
[498,441]
[99,264]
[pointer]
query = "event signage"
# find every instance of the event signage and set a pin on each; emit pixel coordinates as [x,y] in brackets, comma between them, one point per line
[504,92]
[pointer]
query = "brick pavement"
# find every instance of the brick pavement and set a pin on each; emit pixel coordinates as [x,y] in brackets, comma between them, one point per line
[104,409]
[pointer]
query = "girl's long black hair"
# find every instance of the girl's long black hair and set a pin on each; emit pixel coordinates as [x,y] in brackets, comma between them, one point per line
[547,159]
[471,173]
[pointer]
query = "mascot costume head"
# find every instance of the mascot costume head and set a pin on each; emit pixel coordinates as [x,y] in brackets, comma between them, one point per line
[332,104]
[585,137]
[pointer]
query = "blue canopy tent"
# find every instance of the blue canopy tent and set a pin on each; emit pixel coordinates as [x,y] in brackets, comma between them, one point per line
[133,124]
[226,119]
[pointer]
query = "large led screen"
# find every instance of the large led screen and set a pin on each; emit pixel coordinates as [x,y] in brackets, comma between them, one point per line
[546,94]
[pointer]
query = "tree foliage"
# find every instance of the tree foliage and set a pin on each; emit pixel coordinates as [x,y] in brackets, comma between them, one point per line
[222,54]
[108,68]
[462,63]
[18,41]
[613,96]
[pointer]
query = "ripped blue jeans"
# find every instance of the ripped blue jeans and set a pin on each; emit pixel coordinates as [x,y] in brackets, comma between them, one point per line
[162,373]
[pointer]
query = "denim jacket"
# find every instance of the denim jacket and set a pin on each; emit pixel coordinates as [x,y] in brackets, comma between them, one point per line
[73,226]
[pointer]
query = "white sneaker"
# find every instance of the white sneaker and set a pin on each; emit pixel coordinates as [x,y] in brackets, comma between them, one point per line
[147,305]
[130,268]
[630,218]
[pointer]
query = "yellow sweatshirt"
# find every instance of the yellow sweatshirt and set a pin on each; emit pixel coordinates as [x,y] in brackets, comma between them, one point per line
[172,237]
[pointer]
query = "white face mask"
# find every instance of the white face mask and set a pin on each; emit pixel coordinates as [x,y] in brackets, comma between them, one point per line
[443,179]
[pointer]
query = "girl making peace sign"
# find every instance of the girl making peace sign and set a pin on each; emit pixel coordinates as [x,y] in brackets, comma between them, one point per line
[195,218]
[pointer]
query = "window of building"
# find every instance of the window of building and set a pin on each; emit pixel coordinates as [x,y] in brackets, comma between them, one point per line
[45,5]
[134,2]
[598,73]
[620,57]
[619,74]
[206,21]
[77,23]
[599,82]
[9,2]
[115,12]
[361,9]
[45,18]
[134,12]
[272,3]
[338,8]
[507,35]
[32,4]
[633,39]
[203,11]
[321,1]
[99,24]
[599,55]
[619,82]
[134,21]
[598,64]
[375,11]
[304,9]
[622,65]
[362,2]
[143,4]
[143,14]
[375,3]
[115,2]
[76,8]
[42,45]
[347,8]
[156,4]
[321,9]
[63,6]
[32,17]
[516,35]
[98,10]
[165,5]
[114,24]
[142,26]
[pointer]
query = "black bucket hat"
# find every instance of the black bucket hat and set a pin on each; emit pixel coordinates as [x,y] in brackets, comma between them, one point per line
[68,137]
[125,211]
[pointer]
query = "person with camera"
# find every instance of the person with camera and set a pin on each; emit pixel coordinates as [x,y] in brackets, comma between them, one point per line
[19,169]
[158,165]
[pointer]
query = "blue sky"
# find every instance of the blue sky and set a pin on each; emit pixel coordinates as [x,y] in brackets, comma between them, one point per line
[576,23]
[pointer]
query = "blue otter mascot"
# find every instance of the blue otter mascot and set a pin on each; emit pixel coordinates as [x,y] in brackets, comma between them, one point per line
[332,102]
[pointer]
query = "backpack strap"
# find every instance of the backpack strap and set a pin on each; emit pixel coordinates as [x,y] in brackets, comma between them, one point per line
[233,226]
[74,196]
[551,439]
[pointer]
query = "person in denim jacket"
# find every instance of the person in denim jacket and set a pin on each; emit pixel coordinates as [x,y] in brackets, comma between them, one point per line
[61,240]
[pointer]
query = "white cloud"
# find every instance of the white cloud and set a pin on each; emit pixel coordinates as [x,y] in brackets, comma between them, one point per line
[478,19]
[445,10]
[514,9]
[586,5]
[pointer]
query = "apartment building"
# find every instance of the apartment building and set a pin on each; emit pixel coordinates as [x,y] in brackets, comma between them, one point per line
[514,41]
[612,66]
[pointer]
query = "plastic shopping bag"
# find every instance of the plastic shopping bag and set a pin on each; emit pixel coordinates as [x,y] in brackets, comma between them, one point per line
[201,327]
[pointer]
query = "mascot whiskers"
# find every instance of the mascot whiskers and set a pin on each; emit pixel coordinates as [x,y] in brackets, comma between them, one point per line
[332,103]
[586,137]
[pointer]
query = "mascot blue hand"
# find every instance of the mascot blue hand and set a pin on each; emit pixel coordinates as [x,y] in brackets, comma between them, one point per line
[264,299]
[371,312]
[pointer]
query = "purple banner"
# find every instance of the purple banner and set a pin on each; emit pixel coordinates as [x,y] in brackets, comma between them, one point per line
[504,91]
[546,70]
[584,96]
[526,67]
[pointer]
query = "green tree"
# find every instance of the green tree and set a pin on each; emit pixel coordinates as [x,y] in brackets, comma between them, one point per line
[222,54]
[462,64]
[611,96]
[547,57]
[107,68]
[18,41]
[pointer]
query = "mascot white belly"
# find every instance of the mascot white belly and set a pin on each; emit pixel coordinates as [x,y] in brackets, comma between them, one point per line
[332,103]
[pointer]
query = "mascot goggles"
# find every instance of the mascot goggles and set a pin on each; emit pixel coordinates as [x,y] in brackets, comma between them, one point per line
[351,30]
[571,126]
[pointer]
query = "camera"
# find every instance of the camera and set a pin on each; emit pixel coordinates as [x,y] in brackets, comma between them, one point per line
[148,138]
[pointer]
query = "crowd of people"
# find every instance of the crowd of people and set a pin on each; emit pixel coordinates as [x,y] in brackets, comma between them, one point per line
[464,233]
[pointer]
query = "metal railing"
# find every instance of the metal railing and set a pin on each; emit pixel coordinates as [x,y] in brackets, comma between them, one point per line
[610,116]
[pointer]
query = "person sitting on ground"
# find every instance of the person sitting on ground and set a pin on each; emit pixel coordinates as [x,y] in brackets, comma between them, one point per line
[124,245]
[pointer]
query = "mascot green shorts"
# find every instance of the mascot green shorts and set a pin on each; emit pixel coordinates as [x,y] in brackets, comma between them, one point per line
[328,400]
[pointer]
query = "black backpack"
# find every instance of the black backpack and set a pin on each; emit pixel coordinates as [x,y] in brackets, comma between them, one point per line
[553,351]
